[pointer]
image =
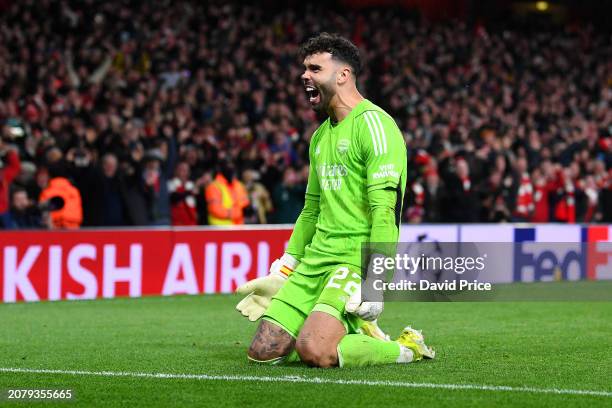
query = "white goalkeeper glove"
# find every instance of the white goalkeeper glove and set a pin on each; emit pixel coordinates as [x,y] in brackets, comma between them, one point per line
[366,310]
[259,291]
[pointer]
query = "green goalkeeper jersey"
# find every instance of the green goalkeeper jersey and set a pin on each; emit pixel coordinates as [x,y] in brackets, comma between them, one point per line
[362,153]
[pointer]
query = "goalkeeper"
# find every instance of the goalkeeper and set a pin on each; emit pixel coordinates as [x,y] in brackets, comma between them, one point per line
[355,191]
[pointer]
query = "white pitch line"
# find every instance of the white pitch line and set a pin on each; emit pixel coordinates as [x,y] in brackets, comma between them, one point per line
[310,380]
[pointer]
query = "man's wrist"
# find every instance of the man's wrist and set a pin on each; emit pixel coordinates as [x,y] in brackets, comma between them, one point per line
[289,260]
[285,265]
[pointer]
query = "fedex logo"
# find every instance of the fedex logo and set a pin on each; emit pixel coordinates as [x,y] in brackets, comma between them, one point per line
[599,252]
[572,260]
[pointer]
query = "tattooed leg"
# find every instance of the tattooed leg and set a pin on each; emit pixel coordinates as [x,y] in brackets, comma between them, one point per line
[271,343]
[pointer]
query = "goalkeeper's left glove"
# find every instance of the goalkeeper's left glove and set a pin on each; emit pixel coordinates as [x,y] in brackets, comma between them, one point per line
[259,291]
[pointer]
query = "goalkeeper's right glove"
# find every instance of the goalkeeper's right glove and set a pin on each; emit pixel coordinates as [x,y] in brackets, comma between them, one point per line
[259,291]
[368,311]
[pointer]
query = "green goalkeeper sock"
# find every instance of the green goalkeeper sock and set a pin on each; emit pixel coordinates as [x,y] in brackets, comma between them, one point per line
[359,350]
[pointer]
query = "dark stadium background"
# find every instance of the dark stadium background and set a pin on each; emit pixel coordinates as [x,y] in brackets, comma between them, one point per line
[505,106]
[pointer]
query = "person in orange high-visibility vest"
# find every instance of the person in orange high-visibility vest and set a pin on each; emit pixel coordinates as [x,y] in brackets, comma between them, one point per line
[226,197]
[71,215]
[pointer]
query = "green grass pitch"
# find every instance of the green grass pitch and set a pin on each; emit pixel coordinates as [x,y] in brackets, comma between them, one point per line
[537,345]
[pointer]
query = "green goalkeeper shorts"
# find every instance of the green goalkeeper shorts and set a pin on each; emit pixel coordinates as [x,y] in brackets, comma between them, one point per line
[326,292]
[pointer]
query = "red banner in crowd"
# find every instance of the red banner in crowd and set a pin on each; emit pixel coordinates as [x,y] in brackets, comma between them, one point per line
[108,263]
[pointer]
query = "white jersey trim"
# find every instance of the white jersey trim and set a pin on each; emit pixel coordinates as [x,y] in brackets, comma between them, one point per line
[367,119]
[379,138]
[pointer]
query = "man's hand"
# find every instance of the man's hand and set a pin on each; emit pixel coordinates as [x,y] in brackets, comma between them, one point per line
[366,310]
[259,291]
[372,306]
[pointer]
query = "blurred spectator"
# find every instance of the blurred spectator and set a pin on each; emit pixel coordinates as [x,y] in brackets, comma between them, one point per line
[201,205]
[183,194]
[22,214]
[543,188]
[226,197]
[496,196]
[565,210]
[587,204]
[113,188]
[103,189]
[606,199]
[10,166]
[71,215]
[524,196]
[288,198]
[461,203]
[260,200]
[155,179]
[433,190]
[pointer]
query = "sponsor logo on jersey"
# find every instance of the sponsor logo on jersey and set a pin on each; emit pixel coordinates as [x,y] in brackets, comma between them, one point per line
[330,176]
[332,170]
[384,171]
[343,146]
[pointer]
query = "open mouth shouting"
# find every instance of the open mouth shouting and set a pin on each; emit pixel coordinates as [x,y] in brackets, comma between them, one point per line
[313,94]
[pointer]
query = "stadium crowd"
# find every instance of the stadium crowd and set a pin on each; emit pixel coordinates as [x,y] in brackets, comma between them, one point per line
[186,113]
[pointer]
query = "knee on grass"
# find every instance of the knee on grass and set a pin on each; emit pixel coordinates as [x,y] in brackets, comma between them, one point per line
[270,344]
[317,355]
[263,355]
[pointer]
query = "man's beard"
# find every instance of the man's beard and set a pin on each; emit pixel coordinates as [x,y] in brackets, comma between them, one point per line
[326,93]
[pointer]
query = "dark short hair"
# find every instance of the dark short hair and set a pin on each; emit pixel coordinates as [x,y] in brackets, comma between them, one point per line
[339,47]
[18,189]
